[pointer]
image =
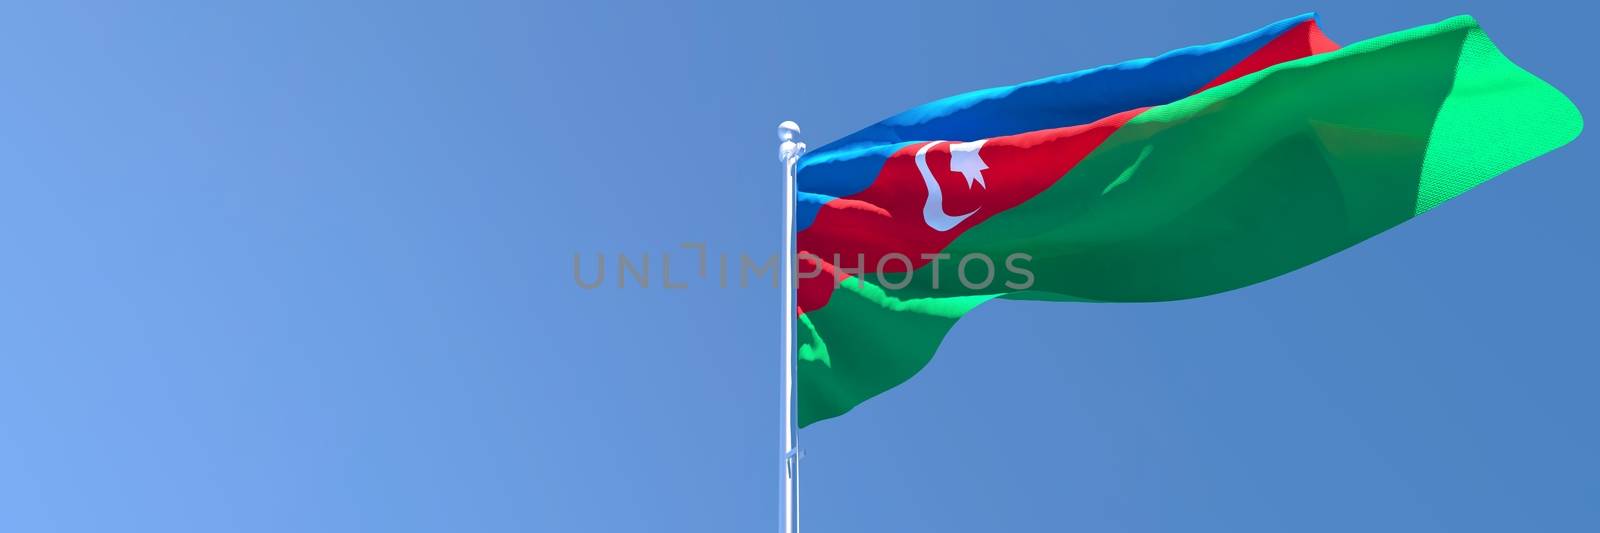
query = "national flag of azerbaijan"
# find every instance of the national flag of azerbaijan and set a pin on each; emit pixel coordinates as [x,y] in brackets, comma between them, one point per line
[1199,171]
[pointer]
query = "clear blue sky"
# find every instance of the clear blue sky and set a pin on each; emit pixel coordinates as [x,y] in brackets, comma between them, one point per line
[306,266]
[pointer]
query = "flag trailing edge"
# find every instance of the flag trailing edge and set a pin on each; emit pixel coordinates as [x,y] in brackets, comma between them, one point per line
[1196,172]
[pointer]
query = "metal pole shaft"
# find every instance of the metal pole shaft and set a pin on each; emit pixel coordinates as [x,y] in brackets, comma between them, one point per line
[789,151]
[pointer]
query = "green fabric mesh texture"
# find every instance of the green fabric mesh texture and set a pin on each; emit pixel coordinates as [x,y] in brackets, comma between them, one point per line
[1496,117]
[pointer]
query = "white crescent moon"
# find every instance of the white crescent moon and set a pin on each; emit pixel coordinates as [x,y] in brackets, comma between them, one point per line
[933,209]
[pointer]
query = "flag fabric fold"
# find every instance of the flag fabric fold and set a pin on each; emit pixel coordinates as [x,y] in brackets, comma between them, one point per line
[1196,172]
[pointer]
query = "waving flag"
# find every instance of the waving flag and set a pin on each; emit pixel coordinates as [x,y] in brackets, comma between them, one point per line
[1196,172]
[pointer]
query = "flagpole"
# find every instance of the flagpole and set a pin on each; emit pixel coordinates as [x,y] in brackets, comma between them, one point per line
[789,151]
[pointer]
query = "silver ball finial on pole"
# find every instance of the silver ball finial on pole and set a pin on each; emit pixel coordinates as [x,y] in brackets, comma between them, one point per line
[788,133]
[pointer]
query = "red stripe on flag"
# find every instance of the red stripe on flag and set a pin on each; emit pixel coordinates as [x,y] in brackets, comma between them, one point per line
[1303,40]
[857,233]
[885,227]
